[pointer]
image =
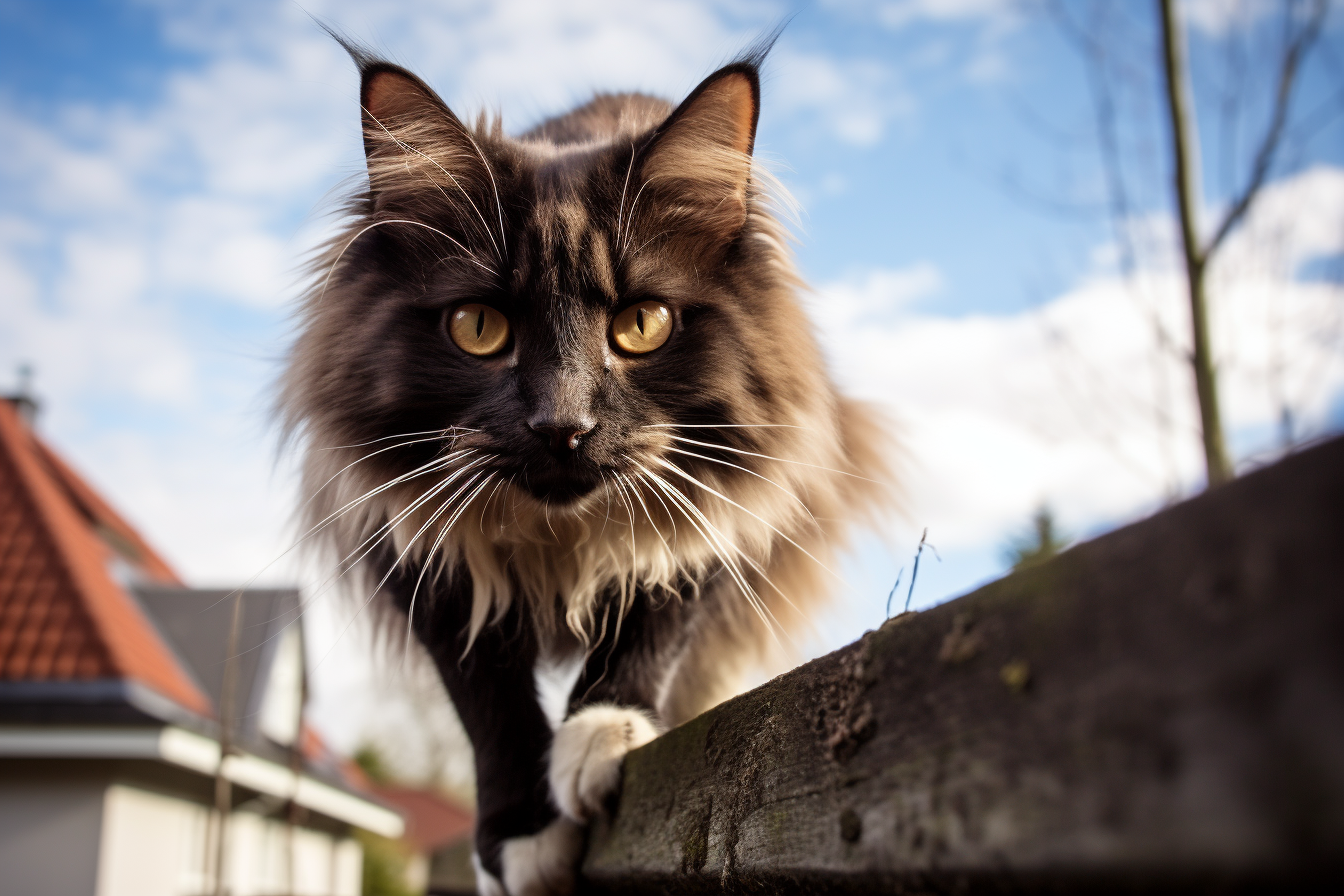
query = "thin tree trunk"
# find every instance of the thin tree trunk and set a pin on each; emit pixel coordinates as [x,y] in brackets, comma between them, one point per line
[1186,162]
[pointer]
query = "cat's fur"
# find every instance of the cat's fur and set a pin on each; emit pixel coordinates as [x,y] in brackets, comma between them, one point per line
[713,479]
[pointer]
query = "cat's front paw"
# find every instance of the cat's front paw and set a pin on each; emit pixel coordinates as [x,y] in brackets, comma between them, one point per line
[587,752]
[543,864]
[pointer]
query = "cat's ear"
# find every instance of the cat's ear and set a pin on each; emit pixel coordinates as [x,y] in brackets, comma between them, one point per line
[396,107]
[422,160]
[699,160]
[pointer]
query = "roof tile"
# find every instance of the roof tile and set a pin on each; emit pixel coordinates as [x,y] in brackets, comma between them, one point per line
[62,615]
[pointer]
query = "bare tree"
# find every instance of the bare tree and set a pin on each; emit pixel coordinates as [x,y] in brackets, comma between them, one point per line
[1106,35]
[1301,31]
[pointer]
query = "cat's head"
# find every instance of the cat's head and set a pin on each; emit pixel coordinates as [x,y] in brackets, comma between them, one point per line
[598,314]
[554,304]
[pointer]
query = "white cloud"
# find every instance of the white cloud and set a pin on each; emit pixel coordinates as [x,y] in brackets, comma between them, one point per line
[1075,402]
[132,232]
[852,99]
[903,12]
[1217,18]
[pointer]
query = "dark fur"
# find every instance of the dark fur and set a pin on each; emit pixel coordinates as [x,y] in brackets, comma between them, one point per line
[623,199]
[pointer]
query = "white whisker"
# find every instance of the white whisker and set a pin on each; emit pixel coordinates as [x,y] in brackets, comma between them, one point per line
[630,220]
[634,488]
[722,426]
[433,466]
[438,542]
[721,496]
[720,545]
[620,208]
[630,515]
[393,566]
[360,460]
[499,206]
[715,460]
[671,517]
[406,147]
[756,567]
[782,460]
[339,255]
[372,541]
[427,432]
[486,506]
[316,528]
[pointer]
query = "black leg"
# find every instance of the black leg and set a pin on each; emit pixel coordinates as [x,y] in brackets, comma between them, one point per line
[493,688]
[631,661]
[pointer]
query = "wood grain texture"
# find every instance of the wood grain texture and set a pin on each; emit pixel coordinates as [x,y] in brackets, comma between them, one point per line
[1159,709]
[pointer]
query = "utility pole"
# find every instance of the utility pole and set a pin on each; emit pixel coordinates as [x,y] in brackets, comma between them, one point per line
[227,713]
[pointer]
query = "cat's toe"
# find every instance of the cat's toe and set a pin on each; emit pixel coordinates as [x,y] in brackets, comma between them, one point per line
[543,864]
[587,752]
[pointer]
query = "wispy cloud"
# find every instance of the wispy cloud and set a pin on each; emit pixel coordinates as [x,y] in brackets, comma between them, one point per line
[1080,401]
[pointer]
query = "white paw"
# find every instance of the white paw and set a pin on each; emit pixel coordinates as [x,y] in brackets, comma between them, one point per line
[587,752]
[541,865]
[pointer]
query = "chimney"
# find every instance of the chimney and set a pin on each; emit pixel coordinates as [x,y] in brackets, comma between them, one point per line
[22,398]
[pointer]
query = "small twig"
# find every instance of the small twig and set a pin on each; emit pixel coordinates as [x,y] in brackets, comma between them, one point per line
[893,591]
[923,543]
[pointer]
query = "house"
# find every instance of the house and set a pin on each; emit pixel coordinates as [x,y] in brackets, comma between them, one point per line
[438,840]
[133,709]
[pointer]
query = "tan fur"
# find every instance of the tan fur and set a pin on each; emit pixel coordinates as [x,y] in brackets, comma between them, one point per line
[781,529]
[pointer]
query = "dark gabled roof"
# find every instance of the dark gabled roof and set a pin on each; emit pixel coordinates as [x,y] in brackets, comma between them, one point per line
[64,616]
[196,623]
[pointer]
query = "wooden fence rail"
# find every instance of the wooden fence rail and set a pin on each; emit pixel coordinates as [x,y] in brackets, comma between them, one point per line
[1161,709]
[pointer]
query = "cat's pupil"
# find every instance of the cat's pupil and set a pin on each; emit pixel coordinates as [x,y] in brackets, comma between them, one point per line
[639,320]
[480,322]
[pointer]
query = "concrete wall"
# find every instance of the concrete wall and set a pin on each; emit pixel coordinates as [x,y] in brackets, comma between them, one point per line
[49,830]
[1160,710]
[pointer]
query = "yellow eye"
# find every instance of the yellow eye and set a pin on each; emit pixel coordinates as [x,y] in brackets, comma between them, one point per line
[479,329]
[642,328]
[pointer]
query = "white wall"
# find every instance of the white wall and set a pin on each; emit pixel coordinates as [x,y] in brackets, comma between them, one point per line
[155,845]
[152,845]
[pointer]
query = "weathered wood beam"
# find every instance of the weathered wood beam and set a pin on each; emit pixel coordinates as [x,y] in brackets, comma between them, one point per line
[1159,709]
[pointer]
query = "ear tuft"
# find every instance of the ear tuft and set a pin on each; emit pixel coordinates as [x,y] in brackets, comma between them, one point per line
[700,159]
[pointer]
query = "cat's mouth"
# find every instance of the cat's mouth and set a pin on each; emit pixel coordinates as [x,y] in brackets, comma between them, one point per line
[562,484]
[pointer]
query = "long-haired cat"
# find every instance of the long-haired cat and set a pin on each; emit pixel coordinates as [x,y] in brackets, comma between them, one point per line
[559,398]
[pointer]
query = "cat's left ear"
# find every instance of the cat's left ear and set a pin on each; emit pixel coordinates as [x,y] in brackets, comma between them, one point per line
[699,160]
[393,101]
[412,138]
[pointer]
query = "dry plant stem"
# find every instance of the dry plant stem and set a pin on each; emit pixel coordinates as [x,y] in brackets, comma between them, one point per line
[1185,162]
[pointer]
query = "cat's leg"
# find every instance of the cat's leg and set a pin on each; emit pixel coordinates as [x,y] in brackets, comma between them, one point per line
[522,847]
[614,705]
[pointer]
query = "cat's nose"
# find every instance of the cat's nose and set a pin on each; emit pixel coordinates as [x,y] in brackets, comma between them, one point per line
[562,436]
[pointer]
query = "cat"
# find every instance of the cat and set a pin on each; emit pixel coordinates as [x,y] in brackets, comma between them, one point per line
[558,398]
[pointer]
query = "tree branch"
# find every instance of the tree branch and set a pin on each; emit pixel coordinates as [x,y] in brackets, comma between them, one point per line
[1264,157]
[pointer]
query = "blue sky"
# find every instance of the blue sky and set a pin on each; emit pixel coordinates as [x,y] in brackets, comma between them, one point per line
[164,167]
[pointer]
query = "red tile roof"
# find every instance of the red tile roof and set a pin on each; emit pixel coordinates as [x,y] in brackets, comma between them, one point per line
[63,616]
[432,821]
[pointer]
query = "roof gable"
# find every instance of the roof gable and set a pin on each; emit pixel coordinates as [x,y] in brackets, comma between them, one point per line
[196,623]
[63,616]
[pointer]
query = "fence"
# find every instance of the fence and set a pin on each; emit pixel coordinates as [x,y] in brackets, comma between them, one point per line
[1159,709]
